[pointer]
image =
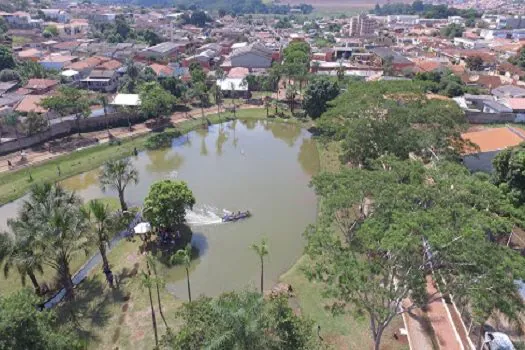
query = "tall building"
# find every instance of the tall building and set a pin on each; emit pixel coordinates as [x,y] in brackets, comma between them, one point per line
[362,25]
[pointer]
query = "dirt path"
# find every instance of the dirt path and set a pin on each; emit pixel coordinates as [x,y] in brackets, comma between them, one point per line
[37,156]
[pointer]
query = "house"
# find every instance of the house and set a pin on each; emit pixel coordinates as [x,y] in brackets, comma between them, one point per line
[510,71]
[162,71]
[495,107]
[254,55]
[40,86]
[56,15]
[517,105]
[30,54]
[163,51]
[101,80]
[57,61]
[507,91]
[8,102]
[489,143]
[110,65]
[84,67]
[399,62]
[7,86]
[31,103]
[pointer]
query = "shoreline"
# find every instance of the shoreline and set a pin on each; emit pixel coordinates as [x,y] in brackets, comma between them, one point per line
[15,184]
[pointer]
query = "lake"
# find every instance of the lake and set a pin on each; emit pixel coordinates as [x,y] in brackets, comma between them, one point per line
[264,167]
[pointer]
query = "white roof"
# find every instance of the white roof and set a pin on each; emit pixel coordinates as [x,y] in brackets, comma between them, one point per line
[238,85]
[69,73]
[126,100]
[239,45]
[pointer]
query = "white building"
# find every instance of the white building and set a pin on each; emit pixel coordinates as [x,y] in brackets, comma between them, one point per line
[56,15]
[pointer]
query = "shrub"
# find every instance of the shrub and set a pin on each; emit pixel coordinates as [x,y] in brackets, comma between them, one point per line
[161,140]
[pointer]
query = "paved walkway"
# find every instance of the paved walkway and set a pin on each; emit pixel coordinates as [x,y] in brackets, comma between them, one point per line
[37,156]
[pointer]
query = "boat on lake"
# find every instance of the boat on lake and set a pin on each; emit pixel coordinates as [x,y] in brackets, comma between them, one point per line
[236,216]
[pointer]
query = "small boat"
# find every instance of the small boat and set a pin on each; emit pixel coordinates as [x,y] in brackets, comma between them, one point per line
[236,216]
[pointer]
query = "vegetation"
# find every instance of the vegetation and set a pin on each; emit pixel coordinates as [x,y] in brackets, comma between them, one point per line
[117,175]
[161,140]
[23,326]
[317,94]
[243,320]
[474,63]
[155,101]
[166,204]
[444,83]
[453,30]
[261,250]
[424,10]
[69,101]
[100,216]
[509,169]
[183,256]
[519,60]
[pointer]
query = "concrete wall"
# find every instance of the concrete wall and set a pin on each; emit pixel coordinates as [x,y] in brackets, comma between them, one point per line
[488,118]
[480,161]
[66,128]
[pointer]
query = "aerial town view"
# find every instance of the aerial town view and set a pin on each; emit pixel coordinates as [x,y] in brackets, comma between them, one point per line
[262,174]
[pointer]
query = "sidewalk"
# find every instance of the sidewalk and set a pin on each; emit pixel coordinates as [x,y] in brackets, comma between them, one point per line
[34,157]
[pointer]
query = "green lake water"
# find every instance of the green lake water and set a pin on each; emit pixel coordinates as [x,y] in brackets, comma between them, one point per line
[261,166]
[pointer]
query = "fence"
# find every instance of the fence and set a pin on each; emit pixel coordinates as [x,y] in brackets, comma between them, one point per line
[68,127]
[491,118]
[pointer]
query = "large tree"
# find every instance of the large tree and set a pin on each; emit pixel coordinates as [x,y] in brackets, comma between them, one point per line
[155,101]
[61,226]
[166,204]
[69,101]
[117,175]
[243,320]
[403,222]
[509,172]
[6,58]
[23,326]
[318,92]
[100,216]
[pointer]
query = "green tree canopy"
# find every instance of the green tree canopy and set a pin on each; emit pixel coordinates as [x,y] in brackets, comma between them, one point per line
[6,58]
[509,172]
[166,203]
[23,326]
[318,92]
[155,101]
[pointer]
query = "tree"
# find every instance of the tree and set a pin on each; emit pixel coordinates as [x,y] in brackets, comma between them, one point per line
[183,256]
[117,175]
[217,93]
[103,100]
[452,31]
[155,101]
[509,174]
[474,63]
[150,37]
[159,283]
[241,320]
[291,93]
[399,229]
[147,282]
[100,217]
[18,250]
[23,326]
[10,75]
[35,123]
[6,58]
[388,66]
[61,225]
[12,120]
[261,250]
[197,73]
[50,31]
[69,101]
[518,60]
[166,204]
[318,92]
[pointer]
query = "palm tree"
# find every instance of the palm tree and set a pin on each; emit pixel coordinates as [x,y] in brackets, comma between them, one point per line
[117,175]
[232,87]
[183,256]
[261,250]
[104,102]
[159,283]
[17,251]
[147,282]
[291,93]
[99,214]
[217,92]
[61,227]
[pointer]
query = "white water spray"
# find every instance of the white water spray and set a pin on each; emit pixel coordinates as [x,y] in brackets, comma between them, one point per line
[204,215]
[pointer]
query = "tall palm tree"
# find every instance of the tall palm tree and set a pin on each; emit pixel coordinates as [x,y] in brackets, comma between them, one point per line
[117,175]
[261,250]
[61,227]
[104,102]
[159,283]
[147,282]
[99,215]
[17,251]
[232,87]
[183,256]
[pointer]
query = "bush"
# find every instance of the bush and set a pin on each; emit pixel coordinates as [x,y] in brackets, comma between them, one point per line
[161,140]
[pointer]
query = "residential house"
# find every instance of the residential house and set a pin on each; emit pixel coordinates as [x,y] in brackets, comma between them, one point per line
[30,55]
[517,105]
[399,62]
[7,86]
[110,65]
[57,61]
[101,80]
[510,71]
[162,71]
[489,143]
[31,103]
[56,15]
[41,86]
[84,67]
[163,51]
[8,102]
[508,91]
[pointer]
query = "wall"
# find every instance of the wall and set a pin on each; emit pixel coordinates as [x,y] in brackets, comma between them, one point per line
[488,118]
[66,128]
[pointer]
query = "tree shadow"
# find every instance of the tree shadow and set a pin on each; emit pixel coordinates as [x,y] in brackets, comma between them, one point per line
[91,307]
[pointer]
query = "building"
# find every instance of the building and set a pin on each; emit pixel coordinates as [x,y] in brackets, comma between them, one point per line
[56,15]
[41,86]
[508,91]
[489,143]
[362,25]
[233,87]
[163,51]
[57,61]
[399,62]
[254,55]
[101,80]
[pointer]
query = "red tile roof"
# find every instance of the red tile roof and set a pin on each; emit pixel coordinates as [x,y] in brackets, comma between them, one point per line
[40,84]
[31,103]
